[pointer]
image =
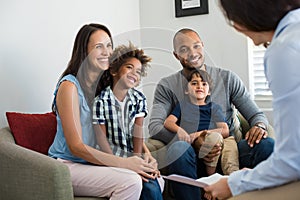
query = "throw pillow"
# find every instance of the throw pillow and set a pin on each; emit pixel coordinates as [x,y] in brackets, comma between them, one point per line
[33,131]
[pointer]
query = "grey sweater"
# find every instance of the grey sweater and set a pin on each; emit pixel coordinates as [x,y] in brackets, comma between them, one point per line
[228,91]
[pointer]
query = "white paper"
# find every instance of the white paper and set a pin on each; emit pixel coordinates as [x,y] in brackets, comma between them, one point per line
[201,182]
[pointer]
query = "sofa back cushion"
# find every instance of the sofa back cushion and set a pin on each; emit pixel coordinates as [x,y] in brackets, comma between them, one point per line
[33,131]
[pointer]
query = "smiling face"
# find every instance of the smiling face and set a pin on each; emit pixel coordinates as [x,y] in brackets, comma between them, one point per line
[99,49]
[197,90]
[129,74]
[189,50]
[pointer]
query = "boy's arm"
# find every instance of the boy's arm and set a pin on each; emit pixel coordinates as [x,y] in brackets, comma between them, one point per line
[100,131]
[222,128]
[170,124]
[138,138]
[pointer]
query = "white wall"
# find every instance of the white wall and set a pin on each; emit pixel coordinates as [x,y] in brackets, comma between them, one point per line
[36,43]
[223,45]
[37,38]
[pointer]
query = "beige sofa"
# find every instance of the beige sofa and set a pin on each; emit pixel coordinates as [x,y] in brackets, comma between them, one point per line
[29,175]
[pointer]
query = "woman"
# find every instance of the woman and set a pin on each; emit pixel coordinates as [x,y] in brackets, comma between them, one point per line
[275,24]
[94,173]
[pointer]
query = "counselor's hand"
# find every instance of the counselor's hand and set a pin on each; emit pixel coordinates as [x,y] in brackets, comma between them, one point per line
[219,190]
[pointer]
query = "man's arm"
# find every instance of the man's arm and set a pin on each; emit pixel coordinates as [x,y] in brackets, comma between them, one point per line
[163,103]
[250,111]
[241,99]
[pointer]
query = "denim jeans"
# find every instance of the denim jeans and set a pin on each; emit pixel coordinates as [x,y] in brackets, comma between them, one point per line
[250,156]
[183,161]
[151,190]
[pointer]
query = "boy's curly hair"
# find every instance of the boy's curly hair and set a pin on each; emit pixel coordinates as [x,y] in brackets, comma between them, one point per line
[119,56]
[122,53]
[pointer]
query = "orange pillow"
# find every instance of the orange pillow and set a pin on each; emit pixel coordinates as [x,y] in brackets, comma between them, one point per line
[33,131]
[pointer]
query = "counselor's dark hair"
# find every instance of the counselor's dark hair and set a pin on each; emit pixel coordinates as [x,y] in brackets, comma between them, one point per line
[257,15]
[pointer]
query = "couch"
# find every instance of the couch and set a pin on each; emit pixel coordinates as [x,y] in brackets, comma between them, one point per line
[28,175]
[26,172]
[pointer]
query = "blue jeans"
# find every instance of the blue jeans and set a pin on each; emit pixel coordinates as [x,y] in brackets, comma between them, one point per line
[151,190]
[250,156]
[183,161]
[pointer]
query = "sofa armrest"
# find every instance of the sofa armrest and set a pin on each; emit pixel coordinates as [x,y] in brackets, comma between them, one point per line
[28,175]
[5,135]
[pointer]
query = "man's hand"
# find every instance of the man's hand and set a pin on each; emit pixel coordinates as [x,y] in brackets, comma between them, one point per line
[255,134]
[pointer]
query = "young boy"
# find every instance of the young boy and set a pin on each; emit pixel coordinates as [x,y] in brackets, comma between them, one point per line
[198,121]
[119,111]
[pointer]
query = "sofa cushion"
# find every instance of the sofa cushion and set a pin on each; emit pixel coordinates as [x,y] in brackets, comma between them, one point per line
[33,131]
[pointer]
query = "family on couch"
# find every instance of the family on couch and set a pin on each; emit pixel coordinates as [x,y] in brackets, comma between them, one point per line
[100,139]
[77,141]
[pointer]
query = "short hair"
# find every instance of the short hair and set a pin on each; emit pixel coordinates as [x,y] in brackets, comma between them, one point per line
[183,31]
[202,74]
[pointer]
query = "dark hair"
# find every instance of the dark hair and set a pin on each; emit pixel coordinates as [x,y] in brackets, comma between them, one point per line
[258,15]
[119,56]
[202,74]
[80,47]
[80,50]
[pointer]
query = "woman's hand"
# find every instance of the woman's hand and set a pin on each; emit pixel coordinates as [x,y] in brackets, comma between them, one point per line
[152,161]
[139,166]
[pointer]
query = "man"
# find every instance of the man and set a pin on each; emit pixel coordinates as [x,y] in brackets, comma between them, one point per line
[229,92]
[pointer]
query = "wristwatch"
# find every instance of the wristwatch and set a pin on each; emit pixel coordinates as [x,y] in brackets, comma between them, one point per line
[260,126]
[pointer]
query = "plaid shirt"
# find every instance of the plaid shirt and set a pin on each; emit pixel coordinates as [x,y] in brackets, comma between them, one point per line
[107,110]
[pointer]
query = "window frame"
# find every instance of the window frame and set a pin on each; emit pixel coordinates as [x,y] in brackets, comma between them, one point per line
[256,69]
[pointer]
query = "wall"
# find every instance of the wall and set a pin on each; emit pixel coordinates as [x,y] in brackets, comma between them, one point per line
[37,38]
[224,46]
[36,42]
